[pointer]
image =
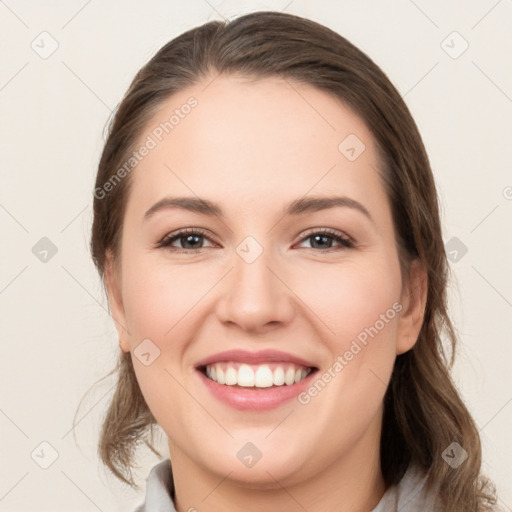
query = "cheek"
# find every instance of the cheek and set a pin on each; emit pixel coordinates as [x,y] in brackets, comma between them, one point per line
[360,303]
[157,296]
[165,397]
[350,298]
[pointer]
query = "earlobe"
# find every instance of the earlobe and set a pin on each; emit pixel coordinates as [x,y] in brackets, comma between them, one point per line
[414,300]
[115,300]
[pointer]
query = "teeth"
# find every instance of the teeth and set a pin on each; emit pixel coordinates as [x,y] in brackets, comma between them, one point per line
[259,376]
[264,377]
[245,376]
[231,376]
[278,376]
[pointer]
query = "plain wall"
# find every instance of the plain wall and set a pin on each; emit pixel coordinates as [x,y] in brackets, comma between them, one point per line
[56,335]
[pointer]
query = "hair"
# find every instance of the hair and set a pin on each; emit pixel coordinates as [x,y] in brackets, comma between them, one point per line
[423,411]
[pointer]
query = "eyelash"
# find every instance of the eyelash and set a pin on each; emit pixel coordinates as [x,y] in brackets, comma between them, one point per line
[166,242]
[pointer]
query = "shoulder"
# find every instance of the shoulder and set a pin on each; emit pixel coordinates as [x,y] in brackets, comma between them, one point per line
[413,494]
[159,489]
[409,494]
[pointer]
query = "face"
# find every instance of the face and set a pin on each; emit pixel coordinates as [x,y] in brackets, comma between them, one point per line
[319,286]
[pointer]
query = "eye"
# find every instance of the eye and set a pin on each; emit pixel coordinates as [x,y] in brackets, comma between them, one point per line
[190,240]
[187,237]
[323,236]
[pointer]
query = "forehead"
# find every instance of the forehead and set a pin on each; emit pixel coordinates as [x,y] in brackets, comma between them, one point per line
[240,139]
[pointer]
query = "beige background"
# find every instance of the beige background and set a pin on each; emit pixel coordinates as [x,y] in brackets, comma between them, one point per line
[57,338]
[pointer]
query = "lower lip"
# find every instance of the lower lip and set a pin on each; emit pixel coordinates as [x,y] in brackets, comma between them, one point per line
[255,399]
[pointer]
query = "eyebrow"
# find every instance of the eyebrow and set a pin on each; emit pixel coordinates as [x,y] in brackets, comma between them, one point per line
[296,207]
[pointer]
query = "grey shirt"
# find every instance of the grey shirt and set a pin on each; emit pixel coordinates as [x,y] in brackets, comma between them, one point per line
[408,496]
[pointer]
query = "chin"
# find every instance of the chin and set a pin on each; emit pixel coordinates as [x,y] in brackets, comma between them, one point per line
[269,472]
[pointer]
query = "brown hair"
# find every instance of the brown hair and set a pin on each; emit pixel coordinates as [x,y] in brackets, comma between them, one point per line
[423,412]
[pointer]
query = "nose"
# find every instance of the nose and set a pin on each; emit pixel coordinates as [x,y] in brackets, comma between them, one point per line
[255,296]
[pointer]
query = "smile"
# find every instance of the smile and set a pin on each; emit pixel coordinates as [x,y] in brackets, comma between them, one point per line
[256,376]
[247,387]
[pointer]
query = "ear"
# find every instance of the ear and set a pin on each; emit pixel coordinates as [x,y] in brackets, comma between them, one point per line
[413,300]
[115,300]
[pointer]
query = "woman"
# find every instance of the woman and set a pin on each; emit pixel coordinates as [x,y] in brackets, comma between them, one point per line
[267,227]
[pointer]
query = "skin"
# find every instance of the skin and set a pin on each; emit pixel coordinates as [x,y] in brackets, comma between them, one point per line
[254,146]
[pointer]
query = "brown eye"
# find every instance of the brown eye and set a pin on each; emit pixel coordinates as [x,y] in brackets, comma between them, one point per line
[324,240]
[189,239]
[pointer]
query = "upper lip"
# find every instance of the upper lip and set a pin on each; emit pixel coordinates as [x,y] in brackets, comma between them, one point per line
[263,356]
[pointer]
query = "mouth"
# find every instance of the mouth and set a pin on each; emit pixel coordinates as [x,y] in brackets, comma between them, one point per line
[256,376]
[255,381]
[255,387]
